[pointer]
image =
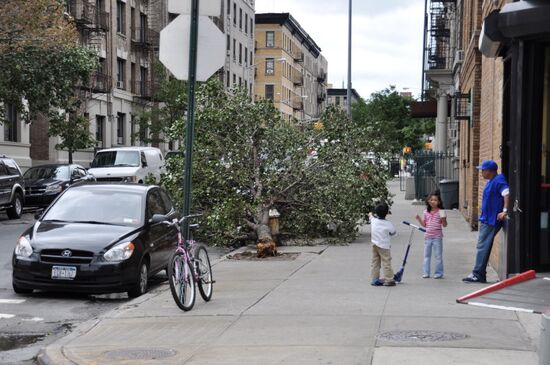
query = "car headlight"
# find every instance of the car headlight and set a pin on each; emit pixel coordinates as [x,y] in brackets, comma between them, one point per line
[129,179]
[120,252]
[54,188]
[23,247]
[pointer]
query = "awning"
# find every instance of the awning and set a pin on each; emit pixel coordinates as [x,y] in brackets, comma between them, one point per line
[524,18]
[521,19]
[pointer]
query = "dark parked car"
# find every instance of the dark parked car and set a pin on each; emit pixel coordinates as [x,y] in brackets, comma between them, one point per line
[11,188]
[44,183]
[96,238]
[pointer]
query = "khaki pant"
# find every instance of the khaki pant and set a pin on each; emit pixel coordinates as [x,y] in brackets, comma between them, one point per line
[381,255]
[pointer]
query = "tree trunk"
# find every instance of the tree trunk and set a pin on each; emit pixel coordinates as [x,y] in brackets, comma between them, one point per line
[266,245]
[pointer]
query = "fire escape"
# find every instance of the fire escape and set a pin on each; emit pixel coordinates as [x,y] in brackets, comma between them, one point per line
[439,66]
[145,40]
[92,23]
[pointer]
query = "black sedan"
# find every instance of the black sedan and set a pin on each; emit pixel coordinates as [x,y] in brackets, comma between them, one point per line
[96,238]
[44,183]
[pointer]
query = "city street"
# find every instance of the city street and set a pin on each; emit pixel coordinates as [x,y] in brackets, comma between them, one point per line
[29,322]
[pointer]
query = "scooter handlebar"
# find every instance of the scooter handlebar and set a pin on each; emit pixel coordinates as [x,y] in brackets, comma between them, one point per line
[414,226]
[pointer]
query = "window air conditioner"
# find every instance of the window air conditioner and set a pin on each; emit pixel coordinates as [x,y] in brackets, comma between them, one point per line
[120,84]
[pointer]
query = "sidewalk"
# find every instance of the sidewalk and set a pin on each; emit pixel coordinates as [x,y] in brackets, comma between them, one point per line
[317,309]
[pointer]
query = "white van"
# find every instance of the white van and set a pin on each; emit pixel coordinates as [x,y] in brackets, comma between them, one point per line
[127,164]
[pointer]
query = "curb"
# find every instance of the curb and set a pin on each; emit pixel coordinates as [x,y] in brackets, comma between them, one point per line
[54,353]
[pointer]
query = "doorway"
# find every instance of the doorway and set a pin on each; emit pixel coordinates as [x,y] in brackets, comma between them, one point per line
[544,201]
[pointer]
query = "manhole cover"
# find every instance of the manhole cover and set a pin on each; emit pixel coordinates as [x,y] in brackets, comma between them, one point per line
[421,336]
[139,354]
[252,256]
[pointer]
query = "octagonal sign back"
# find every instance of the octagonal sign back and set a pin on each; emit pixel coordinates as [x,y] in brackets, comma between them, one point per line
[174,47]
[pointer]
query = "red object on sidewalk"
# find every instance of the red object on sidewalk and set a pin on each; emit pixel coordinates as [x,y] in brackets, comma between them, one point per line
[524,276]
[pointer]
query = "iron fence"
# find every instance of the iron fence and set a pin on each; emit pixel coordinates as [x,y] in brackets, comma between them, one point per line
[429,169]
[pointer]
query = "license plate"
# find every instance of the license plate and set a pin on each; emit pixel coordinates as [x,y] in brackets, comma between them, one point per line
[63,272]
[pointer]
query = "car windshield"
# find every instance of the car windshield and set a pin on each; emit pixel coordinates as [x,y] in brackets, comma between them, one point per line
[116,158]
[47,172]
[97,206]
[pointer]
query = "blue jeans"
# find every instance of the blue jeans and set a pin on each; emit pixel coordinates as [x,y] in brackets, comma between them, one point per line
[437,245]
[487,235]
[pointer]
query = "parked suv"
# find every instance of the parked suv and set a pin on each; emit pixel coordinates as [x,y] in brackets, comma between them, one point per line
[12,188]
[127,164]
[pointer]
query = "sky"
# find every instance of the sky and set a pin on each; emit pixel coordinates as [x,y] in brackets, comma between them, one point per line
[386,39]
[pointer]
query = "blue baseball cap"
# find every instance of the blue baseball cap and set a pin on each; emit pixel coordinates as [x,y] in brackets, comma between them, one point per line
[488,165]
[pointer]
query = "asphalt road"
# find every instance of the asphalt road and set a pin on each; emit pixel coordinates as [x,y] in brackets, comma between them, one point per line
[29,322]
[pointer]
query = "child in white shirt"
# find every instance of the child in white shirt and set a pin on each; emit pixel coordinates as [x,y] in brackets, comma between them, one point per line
[381,232]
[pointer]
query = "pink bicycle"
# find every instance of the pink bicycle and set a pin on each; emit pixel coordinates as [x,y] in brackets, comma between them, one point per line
[188,265]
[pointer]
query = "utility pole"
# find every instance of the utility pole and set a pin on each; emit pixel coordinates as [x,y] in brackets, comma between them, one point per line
[349,62]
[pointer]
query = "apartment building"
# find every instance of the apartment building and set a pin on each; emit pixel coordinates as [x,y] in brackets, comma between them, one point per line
[125,36]
[289,67]
[339,97]
[238,25]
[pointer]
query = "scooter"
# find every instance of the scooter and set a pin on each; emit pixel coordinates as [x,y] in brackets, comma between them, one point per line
[399,275]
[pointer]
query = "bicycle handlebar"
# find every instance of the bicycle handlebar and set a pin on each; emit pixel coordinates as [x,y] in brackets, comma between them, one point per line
[414,226]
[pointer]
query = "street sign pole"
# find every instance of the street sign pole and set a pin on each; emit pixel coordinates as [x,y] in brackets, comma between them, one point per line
[190,114]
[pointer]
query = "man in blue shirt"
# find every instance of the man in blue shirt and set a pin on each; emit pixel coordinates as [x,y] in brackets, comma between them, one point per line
[494,210]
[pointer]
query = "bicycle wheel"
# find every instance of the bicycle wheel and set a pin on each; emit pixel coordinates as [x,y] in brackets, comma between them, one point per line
[204,272]
[181,281]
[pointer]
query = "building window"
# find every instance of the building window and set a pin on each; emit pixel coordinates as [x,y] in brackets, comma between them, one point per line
[121,65]
[245,23]
[240,18]
[245,55]
[251,27]
[10,124]
[240,81]
[235,14]
[143,81]
[269,66]
[228,7]
[270,39]
[337,100]
[121,17]
[132,129]
[234,49]
[269,91]
[234,79]
[240,54]
[228,43]
[99,129]
[120,121]
[228,79]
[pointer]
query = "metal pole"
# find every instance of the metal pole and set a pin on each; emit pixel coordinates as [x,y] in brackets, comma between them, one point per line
[193,36]
[424,47]
[349,62]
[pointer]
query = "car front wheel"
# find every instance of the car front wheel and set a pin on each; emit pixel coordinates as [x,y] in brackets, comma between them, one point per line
[140,287]
[17,207]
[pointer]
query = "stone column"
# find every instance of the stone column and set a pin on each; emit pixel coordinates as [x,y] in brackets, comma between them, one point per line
[440,144]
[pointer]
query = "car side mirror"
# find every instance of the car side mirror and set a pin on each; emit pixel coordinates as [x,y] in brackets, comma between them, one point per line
[158,218]
[38,213]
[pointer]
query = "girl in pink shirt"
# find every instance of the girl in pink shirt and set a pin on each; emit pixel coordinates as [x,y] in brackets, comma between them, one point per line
[433,219]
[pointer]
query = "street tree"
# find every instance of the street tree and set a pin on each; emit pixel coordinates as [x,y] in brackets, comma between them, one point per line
[387,122]
[42,66]
[248,161]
